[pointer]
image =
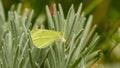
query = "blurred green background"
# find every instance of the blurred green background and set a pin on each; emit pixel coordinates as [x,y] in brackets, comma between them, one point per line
[106,14]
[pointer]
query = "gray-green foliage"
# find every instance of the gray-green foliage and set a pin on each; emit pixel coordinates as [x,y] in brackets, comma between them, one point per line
[17,50]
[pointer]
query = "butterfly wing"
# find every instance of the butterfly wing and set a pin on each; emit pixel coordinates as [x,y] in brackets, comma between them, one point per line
[43,38]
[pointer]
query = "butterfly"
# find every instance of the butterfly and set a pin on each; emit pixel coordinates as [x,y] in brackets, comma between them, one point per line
[42,38]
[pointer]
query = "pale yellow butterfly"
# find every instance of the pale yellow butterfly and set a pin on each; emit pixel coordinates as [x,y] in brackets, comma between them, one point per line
[42,38]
